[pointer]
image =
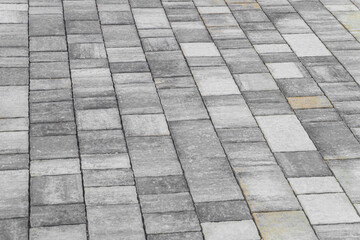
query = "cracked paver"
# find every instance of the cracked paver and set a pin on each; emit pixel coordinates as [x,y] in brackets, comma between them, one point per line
[186,119]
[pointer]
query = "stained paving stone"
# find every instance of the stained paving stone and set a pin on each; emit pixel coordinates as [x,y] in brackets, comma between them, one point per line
[14,228]
[309,102]
[244,230]
[284,225]
[328,208]
[333,139]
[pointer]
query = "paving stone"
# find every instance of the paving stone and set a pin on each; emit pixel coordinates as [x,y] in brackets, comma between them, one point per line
[150,18]
[338,231]
[116,17]
[256,182]
[176,236]
[317,115]
[46,25]
[255,82]
[314,185]
[14,142]
[240,230]
[341,91]
[96,119]
[219,20]
[120,36]
[51,215]
[55,167]
[285,70]
[160,44]
[299,87]
[133,54]
[107,177]
[104,141]
[59,189]
[182,104]
[71,232]
[105,161]
[51,43]
[110,195]
[173,202]
[52,129]
[333,139]
[229,111]
[328,208]
[14,161]
[14,76]
[208,82]
[199,50]
[309,102]
[153,156]
[161,185]
[145,125]
[58,70]
[131,98]
[346,172]
[50,95]
[145,3]
[51,112]
[240,134]
[14,229]
[265,37]
[14,101]
[190,32]
[250,16]
[14,198]
[302,164]
[53,147]
[86,50]
[156,223]
[278,129]
[284,225]
[110,221]
[167,64]
[223,211]
[306,45]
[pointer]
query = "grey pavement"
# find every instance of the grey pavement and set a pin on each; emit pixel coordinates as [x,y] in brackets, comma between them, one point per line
[179,119]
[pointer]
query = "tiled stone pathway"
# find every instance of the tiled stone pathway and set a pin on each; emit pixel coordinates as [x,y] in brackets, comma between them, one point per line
[179,119]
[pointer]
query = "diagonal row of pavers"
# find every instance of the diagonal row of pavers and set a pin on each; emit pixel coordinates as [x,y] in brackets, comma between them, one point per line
[179,120]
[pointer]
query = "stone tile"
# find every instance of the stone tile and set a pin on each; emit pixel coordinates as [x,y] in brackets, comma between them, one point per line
[305,45]
[131,98]
[14,76]
[252,134]
[347,173]
[160,44]
[120,36]
[255,82]
[104,141]
[233,230]
[223,211]
[265,37]
[145,3]
[314,185]
[199,50]
[133,54]
[116,17]
[317,115]
[167,64]
[177,236]
[86,50]
[52,129]
[309,102]
[190,32]
[256,182]
[46,25]
[328,208]
[55,167]
[299,87]
[55,95]
[96,119]
[250,16]
[229,111]
[284,225]
[51,43]
[70,232]
[338,231]
[14,161]
[219,20]
[110,221]
[51,112]
[333,139]
[156,223]
[208,82]
[56,189]
[302,164]
[278,129]
[331,73]
[13,101]
[14,198]
[182,104]
[150,18]
[348,91]
[51,215]
[105,161]
[53,147]
[285,70]
[153,156]
[107,177]
[145,125]
[173,202]
[14,142]
[14,229]
[110,195]
[161,185]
